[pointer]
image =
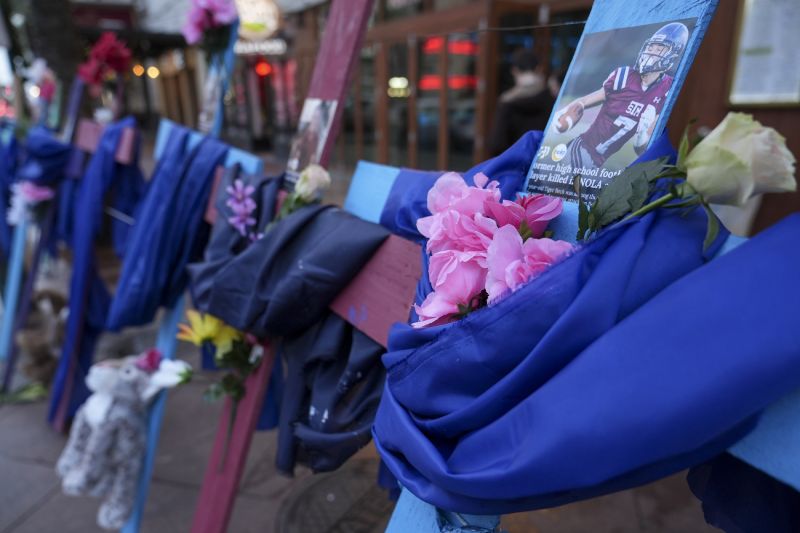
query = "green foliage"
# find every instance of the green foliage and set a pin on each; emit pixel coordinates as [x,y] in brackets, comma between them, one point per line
[712,230]
[684,148]
[625,194]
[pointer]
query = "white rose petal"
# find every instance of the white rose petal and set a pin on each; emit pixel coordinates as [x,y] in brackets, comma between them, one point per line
[313,181]
[171,372]
[739,159]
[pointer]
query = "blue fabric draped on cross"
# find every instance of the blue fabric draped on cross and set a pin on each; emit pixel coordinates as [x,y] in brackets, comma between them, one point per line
[8,167]
[89,297]
[45,158]
[169,232]
[628,361]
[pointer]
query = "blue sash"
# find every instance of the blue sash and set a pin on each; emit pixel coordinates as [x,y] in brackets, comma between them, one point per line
[89,297]
[628,361]
[168,233]
[8,167]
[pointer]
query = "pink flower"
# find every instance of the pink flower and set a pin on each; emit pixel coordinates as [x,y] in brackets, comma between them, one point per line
[451,230]
[149,360]
[451,192]
[205,15]
[222,11]
[457,279]
[194,26]
[33,194]
[511,262]
[540,209]
[537,210]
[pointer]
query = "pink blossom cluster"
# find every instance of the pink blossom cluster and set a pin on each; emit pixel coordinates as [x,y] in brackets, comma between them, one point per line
[242,204]
[482,247]
[205,15]
[32,193]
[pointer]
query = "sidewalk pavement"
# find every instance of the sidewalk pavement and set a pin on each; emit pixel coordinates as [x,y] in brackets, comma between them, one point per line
[347,501]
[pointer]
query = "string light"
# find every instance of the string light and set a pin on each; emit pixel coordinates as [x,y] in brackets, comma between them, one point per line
[153,72]
[138,71]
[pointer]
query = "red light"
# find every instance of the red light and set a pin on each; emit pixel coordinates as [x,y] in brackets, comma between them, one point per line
[263,68]
[463,48]
[433,45]
[462,82]
[430,82]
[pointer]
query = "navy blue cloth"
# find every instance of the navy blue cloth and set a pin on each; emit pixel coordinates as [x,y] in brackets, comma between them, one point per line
[628,361]
[46,158]
[89,298]
[294,272]
[226,241]
[738,498]
[169,231]
[333,386]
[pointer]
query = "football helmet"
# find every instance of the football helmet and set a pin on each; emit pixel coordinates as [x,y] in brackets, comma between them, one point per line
[672,38]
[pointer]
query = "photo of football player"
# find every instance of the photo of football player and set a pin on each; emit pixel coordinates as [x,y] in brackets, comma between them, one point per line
[630,99]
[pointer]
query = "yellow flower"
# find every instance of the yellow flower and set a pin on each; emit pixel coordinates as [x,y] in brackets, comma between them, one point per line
[224,338]
[201,328]
[209,328]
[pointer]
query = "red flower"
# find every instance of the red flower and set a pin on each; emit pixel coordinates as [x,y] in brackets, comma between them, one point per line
[107,55]
[112,52]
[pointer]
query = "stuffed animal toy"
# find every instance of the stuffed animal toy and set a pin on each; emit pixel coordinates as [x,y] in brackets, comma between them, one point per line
[106,446]
[40,340]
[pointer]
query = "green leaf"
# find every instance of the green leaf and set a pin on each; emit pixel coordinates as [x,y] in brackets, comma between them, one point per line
[583,211]
[713,227]
[640,190]
[687,203]
[683,151]
[631,187]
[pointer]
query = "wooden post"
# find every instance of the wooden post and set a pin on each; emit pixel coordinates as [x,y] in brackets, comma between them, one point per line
[482,123]
[337,55]
[358,113]
[381,68]
[443,144]
[413,81]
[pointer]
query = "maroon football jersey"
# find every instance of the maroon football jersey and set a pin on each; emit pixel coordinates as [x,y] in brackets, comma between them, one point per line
[619,115]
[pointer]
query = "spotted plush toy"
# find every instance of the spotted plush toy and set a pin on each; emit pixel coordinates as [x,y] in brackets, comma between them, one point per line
[106,446]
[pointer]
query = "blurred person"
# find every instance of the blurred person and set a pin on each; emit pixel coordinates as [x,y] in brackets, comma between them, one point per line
[524,107]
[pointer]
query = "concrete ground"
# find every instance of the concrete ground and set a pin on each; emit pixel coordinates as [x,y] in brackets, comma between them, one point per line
[347,501]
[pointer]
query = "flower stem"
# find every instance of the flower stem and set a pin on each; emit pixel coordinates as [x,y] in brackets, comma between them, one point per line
[655,204]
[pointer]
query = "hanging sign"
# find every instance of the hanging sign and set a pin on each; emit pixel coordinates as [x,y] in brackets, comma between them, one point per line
[259,22]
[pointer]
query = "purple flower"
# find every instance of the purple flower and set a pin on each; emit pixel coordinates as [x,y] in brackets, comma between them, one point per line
[239,191]
[242,205]
[248,205]
[241,222]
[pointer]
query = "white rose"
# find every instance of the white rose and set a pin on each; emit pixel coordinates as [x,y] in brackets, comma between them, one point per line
[313,182]
[740,159]
[171,372]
